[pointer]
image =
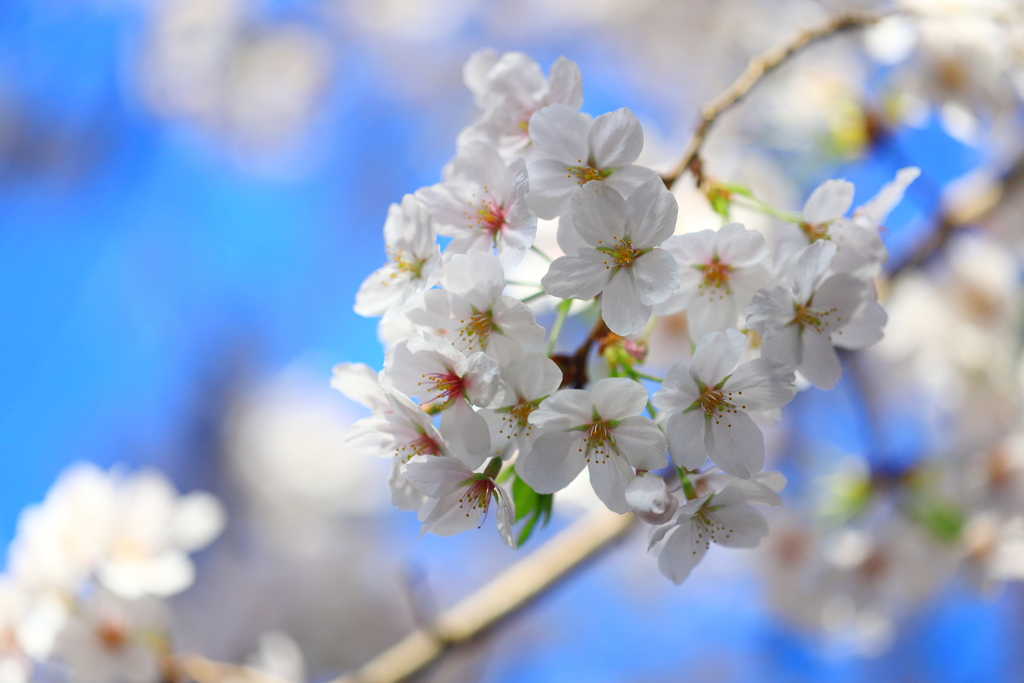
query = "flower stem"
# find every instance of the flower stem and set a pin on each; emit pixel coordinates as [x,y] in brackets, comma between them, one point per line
[556,329]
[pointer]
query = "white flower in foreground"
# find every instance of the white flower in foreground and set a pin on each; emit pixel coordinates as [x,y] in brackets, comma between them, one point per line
[571,150]
[482,204]
[649,498]
[509,90]
[111,640]
[413,255]
[710,398]
[459,497]
[622,261]
[402,432]
[800,324]
[154,532]
[529,379]
[601,429]
[476,314]
[443,378]
[719,272]
[725,518]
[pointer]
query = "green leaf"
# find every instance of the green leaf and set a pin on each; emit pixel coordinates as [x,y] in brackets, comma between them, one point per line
[531,506]
[943,519]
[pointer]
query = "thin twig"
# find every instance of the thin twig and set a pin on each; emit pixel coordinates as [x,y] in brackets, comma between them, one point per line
[503,596]
[759,67]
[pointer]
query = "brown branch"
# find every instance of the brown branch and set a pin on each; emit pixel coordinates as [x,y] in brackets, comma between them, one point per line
[759,67]
[503,596]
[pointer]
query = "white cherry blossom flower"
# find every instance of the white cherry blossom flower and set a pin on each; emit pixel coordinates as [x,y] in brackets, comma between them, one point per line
[528,379]
[622,260]
[109,639]
[443,378]
[153,534]
[649,498]
[476,314]
[509,90]
[859,247]
[402,432]
[709,399]
[800,324]
[413,256]
[572,150]
[482,204]
[719,272]
[601,429]
[725,518]
[459,497]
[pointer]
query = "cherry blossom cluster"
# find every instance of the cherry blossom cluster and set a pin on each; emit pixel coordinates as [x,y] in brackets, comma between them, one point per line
[472,407]
[88,571]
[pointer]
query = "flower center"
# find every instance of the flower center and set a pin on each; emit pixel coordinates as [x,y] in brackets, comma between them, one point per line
[717,403]
[584,173]
[422,445]
[622,254]
[716,275]
[475,330]
[815,232]
[491,218]
[814,319]
[445,387]
[477,496]
[710,528]
[599,443]
[403,263]
[111,634]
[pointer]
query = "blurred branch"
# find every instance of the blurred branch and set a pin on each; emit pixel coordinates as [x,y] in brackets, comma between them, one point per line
[759,67]
[202,670]
[503,596]
[961,210]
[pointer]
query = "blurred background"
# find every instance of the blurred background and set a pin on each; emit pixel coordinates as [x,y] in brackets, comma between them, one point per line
[191,191]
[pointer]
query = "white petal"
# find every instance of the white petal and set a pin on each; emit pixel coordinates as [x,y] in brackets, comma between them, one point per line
[560,132]
[617,397]
[735,444]
[598,214]
[711,311]
[533,376]
[761,384]
[610,477]
[582,275]
[450,516]
[864,330]
[656,276]
[467,432]
[198,519]
[785,347]
[627,179]
[641,443]
[565,84]
[571,406]
[483,381]
[716,356]
[879,207]
[651,213]
[770,310]
[436,476]
[739,247]
[829,201]
[505,516]
[744,526]
[555,460]
[359,382]
[819,362]
[680,552]
[616,139]
[621,307]
[551,186]
[678,391]
[685,433]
